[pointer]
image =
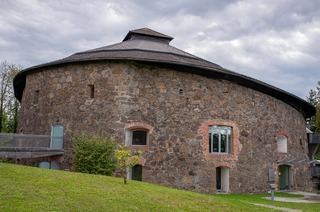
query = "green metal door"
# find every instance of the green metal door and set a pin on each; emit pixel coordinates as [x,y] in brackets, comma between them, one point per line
[284,174]
[137,173]
[57,136]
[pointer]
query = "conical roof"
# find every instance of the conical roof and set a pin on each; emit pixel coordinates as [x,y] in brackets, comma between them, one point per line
[150,47]
[139,45]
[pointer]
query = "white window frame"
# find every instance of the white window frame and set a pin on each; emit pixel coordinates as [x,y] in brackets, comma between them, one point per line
[212,130]
[129,136]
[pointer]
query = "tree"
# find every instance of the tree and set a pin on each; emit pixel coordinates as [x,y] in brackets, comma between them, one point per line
[94,154]
[9,105]
[314,95]
[314,122]
[126,159]
[314,99]
[317,119]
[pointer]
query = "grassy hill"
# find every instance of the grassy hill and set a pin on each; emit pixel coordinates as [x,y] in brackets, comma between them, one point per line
[33,189]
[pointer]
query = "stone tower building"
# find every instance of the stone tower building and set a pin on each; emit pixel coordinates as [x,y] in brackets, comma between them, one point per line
[202,127]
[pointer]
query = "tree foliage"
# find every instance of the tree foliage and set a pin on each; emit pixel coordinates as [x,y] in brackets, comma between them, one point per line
[126,159]
[9,105]
[94,154]
[314,99]
[314,122]
[317,119]
[314,95]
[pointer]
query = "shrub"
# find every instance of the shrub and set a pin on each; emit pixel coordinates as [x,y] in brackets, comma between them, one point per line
[126,159]
[4,160]
[94,154]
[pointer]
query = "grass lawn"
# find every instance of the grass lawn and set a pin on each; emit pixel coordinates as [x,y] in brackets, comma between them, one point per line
[25,188]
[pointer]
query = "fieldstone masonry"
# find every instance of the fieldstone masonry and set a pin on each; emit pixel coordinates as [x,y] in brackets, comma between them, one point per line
[179,107]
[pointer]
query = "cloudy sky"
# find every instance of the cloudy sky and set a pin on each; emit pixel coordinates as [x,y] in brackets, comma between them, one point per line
[275,41]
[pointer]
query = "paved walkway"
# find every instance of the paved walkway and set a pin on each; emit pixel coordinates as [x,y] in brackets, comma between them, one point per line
[312,197]
[278,208]
[291,199]
[307,198]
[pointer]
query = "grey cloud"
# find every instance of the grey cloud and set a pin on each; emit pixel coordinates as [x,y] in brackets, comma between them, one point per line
[273,41]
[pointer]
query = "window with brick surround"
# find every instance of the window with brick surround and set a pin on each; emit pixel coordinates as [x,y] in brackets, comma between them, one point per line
[220,139]
[282,144]
[234,146]
[137,137]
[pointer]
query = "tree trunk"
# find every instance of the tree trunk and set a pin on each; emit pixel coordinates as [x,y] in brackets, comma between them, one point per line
[125,175]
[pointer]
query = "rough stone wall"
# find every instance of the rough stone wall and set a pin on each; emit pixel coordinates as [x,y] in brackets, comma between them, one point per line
[179,107]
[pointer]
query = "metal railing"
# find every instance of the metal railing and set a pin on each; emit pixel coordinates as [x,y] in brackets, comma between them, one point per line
[24,141]
[315,171]
[28,146]
[314,138]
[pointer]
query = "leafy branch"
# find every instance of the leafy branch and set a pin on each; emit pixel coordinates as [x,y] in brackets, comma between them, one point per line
[126,160]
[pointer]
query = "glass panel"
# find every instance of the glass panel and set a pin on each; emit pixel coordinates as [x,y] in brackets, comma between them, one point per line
[139,137]
[44,165]
[57,137]
[215,139]
[55,165]
[223,143]
[229,142]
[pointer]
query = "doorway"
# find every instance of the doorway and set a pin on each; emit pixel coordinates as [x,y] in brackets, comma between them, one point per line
[57,136]
[136,173]
[222,179]
[218,178]
[284,177]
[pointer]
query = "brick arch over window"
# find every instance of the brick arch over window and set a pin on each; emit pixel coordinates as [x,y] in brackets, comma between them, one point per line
[139,125]
[222,164]
[282,132]
[204,133]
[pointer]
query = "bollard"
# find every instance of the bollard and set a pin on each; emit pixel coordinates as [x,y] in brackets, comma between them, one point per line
[272,186]
[271,174]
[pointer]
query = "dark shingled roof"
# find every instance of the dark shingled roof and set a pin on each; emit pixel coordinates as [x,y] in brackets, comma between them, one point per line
[148,32]
[150,47]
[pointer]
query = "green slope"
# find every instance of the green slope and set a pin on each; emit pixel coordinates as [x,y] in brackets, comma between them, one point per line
[25,188]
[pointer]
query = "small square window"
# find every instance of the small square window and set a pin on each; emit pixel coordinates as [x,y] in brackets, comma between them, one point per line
[91,91]
[36,97]
[139,137]
[181,92]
